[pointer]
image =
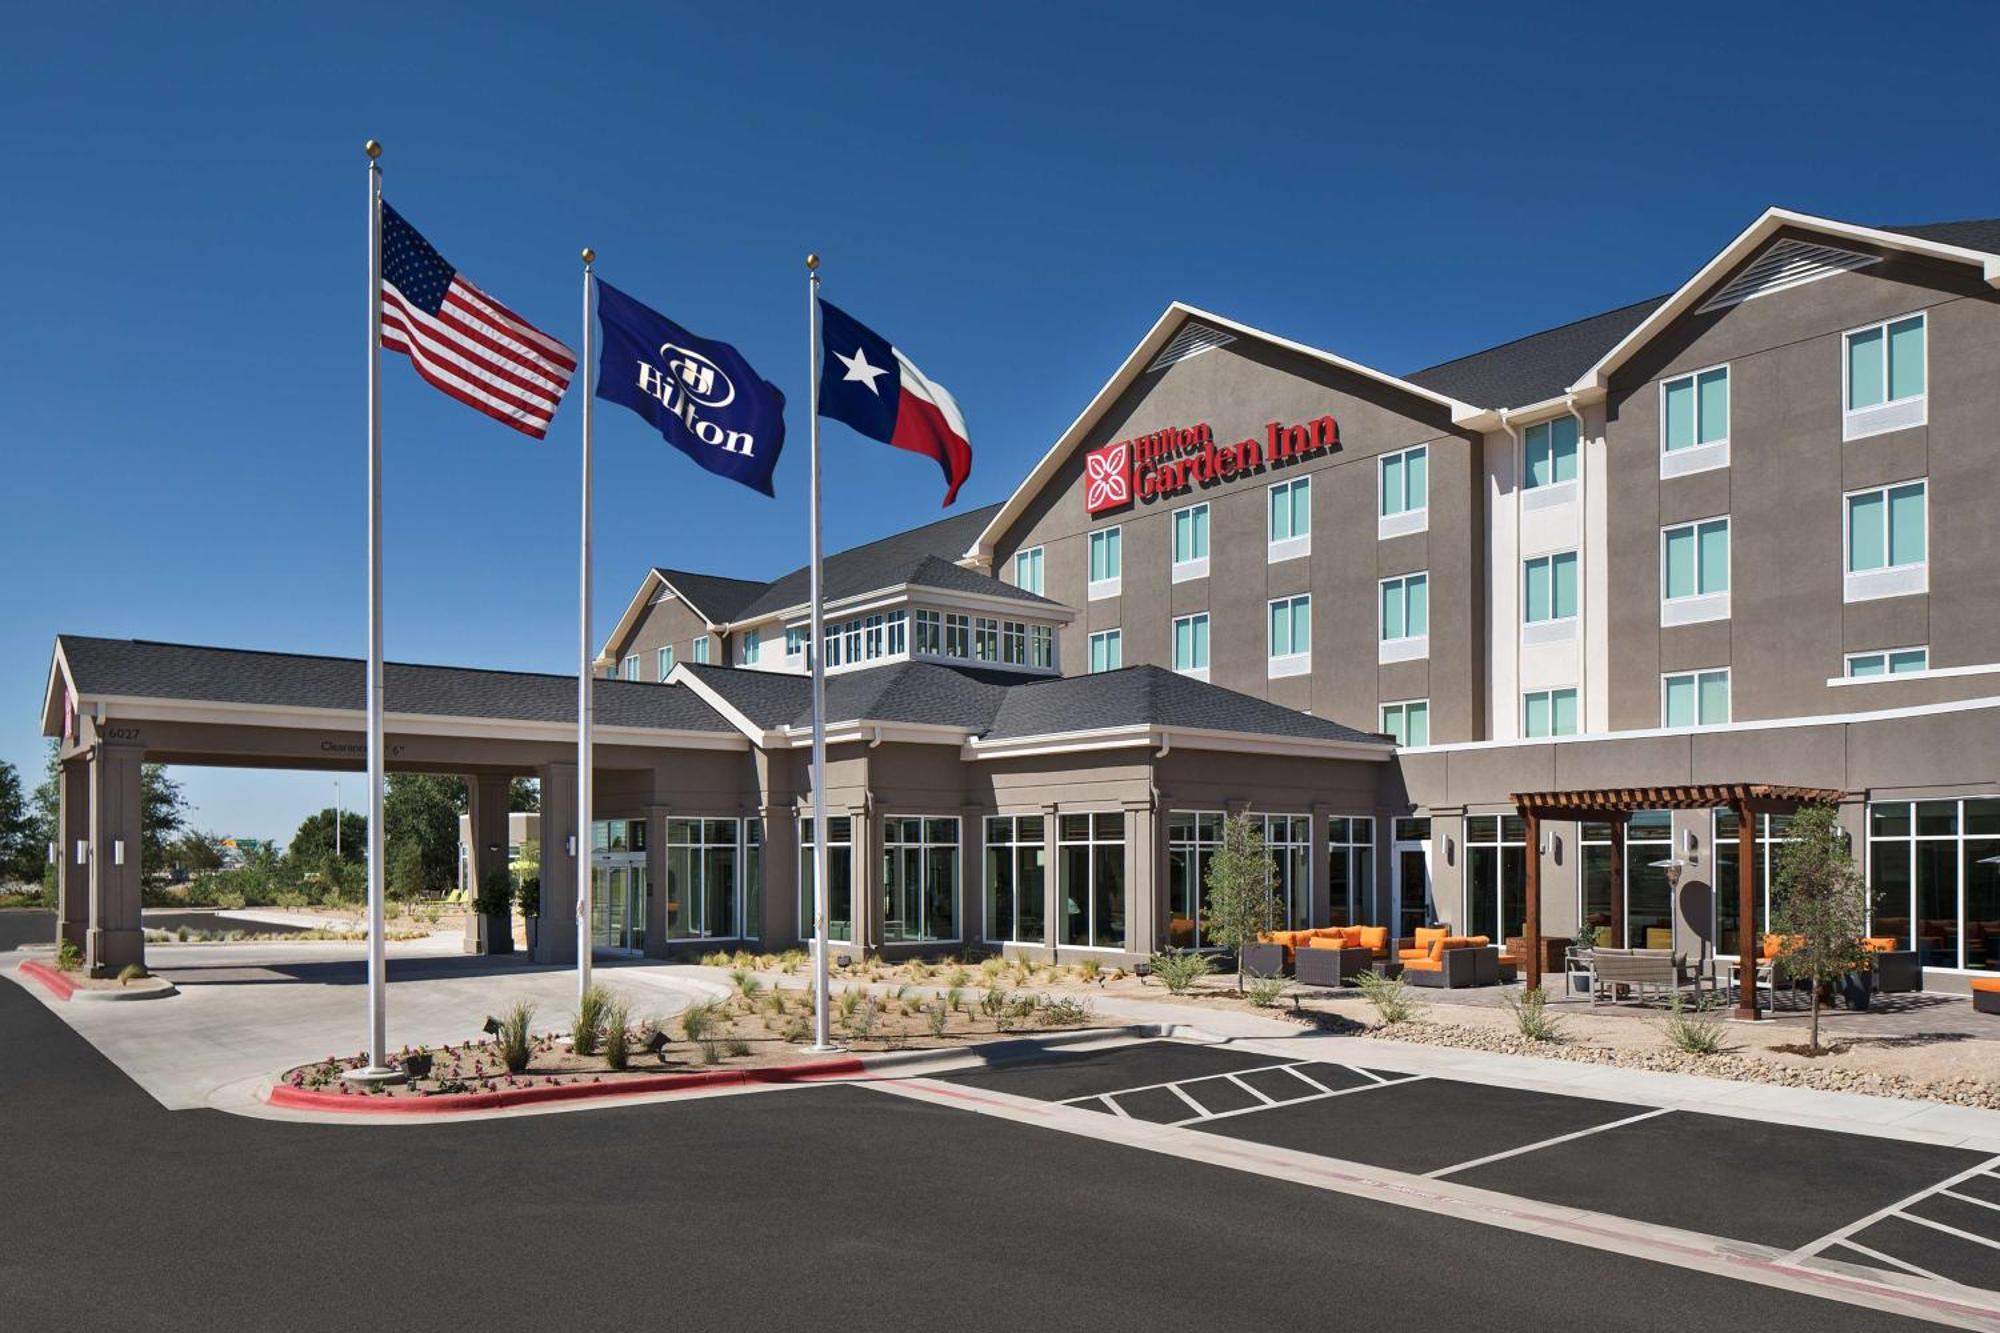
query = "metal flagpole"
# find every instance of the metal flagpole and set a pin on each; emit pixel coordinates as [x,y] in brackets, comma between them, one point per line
[378,1070]
[584,706]
[815,653]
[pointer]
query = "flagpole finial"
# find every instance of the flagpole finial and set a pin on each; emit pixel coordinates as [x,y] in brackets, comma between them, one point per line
[812,263]
[589,256]
[373,148]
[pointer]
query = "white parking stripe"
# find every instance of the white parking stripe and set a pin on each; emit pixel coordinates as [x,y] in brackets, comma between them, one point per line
[1268,1101]
[1974,1237]
[1116,1109]
[1856,1227]
[1201,1112]
[1296,1101]
[1967,1198]
[1547,1143]
[1199,1078]
[1891,1260]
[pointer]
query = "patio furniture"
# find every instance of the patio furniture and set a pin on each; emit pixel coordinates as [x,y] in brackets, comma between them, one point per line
[1418,946]
[1329,962]
[1264,959]
[1659,972]
[1455,961]
[1893,971]
[1986,995]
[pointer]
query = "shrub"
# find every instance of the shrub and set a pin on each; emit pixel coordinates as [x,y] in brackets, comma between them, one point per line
[132,972]
[1090,969]
[711,1052]
[617,1034]
[1532,1018]
[862,1022]
[747,984]
[1819,903]
[1241,884]
[69,958]
[738,1047]
[514,1045]
[1179,971]
[939,1017]
[1266,992]
[1394,1001]
[994,1002]
[1694,1031]
[799,1029]
[954,998]
[958,978]
[716,959]
[593,1008]
[847,1004]
[698,1020]
[1065,1011]
[530,896]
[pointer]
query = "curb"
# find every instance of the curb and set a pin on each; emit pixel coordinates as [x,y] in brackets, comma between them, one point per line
[54,982]
[60,986]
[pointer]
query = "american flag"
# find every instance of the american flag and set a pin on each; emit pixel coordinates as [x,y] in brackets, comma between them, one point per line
[462,340]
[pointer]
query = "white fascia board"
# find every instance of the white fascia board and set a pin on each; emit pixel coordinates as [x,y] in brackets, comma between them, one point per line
[980,556]
[1167,739]
[900,594]
[641,599]
[1533,414]
[754,734]
[52,712]
[1597,378]
[874,733]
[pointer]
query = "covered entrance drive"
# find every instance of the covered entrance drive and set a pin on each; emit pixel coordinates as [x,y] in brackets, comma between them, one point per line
[1617,805]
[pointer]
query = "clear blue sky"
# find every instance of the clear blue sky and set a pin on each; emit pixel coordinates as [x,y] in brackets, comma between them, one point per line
[1011,193]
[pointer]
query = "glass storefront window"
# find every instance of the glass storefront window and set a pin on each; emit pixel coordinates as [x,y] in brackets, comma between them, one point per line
[1649,898]
[919,879]
[1934,879]
[1496,875]
[1350,869]
[1192,840]
[1288,840]
[1093,880]
[1594,880]
[1016,879]
[839,879]
[701,858]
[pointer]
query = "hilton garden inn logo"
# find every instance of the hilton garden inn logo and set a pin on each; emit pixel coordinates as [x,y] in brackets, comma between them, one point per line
[689,383]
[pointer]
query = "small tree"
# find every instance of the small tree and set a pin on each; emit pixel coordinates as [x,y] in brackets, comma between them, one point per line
[1818,904]
[1242,889]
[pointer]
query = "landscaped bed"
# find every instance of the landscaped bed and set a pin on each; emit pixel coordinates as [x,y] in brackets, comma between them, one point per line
[759,1027]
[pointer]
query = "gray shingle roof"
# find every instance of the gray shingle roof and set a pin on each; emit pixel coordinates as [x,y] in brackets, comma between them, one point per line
[1972,233]
[144,669]
[714,597]
[1535,368]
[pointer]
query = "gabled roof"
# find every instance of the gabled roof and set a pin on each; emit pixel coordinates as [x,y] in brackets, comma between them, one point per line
[1155,696]
[980,551]
[1958,242]
[1537,367]
[713,597]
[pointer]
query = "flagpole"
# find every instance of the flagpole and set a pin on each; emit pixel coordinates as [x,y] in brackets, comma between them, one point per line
[585,708]
[815,654]
[378,1070]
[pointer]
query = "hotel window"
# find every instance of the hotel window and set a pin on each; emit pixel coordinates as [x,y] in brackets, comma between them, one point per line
[1694,422]
[1288,842]
[632,667]
[1092,849]
[957,635]
[1408,722]
[1549,713]
[1016,879]
[874,638]
[1934,879]
[832,647]
[1694,572]
[753,879]
[1695,698]
[1350,869]
[1107,650]
[611,670]
[1290,646]
[1549,588]
[1193,838]
[795,643]
[850,640]
[1886,378]
[1290,526]
[1887,542]
[1404,492]
[1106,562]
[1550,453]
[1770,834]
[1041,647]
[930,636]
[1190,542]
[1889,662]
[701,649]
[1028,570]
[1496,875]
[899,633]
[919,879]
[986,639]
[1405,624]
[1191,645]
[753,644]
[701,857]
[839,878]
[1014,643]
[666,662]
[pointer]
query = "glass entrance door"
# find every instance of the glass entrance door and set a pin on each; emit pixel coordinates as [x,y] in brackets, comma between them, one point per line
[619,896]
[1410,862]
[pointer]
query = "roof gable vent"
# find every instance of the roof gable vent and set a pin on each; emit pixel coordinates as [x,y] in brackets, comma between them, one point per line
[1783,265]
[1192,340]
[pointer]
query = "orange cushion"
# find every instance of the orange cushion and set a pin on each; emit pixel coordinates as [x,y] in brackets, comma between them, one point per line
[1880,943]
[1425,934]
[1772,943]
[1424,965]
[1352,934]
[1374,937]
[1989,985]
[1334,941]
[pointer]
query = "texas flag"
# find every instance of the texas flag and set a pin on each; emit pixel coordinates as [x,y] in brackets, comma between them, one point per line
[867,383]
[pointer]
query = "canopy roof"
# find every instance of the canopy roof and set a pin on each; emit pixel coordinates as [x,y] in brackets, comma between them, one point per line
[1764,796]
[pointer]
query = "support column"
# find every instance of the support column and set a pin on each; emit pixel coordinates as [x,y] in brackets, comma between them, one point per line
[1618,880]
[486,828]
[657,923]
[1748,945]
[1534,887]
[1144,884]
[556,931]
[867,878]
[779,859]
[117,808]
[1055,924]
[73,853]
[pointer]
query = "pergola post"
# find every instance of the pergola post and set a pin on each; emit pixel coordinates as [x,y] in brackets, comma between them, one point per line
[1747,943]
[1618,821]
[1532,928]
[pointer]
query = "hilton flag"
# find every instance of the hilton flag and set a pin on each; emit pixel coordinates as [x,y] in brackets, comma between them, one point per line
[865,382]
[700,394]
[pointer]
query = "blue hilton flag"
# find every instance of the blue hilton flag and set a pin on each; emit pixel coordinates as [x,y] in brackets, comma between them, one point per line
[700,394]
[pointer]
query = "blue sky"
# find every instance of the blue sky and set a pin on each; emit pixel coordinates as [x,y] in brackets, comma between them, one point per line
[1010,193]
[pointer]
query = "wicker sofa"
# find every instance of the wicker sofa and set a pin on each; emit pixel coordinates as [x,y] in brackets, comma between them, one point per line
[1986,995]
[1452,961]
[1281,951]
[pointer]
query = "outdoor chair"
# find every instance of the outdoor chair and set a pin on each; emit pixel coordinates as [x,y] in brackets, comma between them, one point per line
[1455,961]
[1643,972]
[1986,995]
[1265,958]
[1331,962]
[1893,971]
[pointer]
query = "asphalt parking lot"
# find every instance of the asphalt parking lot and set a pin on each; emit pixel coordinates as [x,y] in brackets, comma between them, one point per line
[1894,1206]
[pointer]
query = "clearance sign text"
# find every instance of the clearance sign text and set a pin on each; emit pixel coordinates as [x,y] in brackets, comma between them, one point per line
[1176,460]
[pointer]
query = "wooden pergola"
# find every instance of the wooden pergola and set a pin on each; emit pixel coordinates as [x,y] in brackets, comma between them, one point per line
[1617,804]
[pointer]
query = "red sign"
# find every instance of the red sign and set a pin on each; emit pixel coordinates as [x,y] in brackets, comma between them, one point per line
[1179,458]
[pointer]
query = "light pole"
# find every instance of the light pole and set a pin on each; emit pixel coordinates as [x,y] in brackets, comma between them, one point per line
[336,819]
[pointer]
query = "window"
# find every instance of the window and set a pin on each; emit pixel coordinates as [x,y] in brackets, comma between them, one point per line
[1191,645]
[899,633]
[1028,570]
[1405,618]
[1694,422]
[1041,647]
[1694,572]
[1092,849]
[1496,875]
[1887,542]
[632,667]
[930,637]
[874,637]
[1408,722]
[957,635]
[701,648]
[1190,542]
[666,662]
[1016,879]
[986,639]
[919,879]
[839,878]
[1549,712]
[1404,492]
[1550,588]
[1014,643]
[1695,698]
[1193,838]
[1890,662]
[753,644]
[1288,841]
[1290,527]
[1550,453]
[1649,897]
[1291,636]
[1886,378]
[701,879]
[1350,869]
[611,670]
[795,643]
[1933,880]
[1769,834]
[1106,562]
[1107,650]
[850,640]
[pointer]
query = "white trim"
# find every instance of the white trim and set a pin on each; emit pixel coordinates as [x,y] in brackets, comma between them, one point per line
[910,594]
[1154,736]
[1859,423]
[1868,585]
[1291,548]
[1697,608]
[1695,674]
[1694,459]
[1404,524]
[1932,673]
[1411,648]
[1556,494]
[1547,633]
[1186,571]
[1291,664]
[1279,549]
[1702,455]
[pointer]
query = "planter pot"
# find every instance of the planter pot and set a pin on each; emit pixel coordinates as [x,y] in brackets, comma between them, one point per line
[493,934]
[534,931]
[1855,991]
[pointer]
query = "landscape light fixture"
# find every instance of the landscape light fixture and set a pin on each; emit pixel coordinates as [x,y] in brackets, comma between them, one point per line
[656,1043]
[491,1027]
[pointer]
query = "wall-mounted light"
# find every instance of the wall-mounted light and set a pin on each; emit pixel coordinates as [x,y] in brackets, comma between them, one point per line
[118,851]
[55,852]
[1690,842]
[1450,848]
[572,844]
[82,852]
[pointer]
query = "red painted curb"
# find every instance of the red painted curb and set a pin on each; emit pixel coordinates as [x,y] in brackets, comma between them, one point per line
[308,1099]
[57,984]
